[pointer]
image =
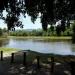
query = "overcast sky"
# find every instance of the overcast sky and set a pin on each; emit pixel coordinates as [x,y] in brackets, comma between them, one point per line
[26,22]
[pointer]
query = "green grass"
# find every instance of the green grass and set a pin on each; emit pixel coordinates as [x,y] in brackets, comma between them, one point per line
[8,50]
[45,38]
[3,38]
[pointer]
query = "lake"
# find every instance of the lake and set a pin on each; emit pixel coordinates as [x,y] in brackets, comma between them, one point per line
[55,47]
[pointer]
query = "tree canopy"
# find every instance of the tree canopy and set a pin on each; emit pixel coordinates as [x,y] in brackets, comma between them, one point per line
[51,11]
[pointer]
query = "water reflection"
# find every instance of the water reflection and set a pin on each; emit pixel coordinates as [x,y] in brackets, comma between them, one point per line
[73,47]
[4,42]
[57,47]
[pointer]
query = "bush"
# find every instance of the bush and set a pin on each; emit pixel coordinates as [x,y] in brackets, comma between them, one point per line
[1,32]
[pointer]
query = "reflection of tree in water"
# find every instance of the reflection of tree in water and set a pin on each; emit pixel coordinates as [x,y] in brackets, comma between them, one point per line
[4,42]
[73,47]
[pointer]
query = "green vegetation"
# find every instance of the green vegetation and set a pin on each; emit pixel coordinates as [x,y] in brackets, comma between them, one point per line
[8,50]
[50,11]
[52,31]
[3,33]
[44,38]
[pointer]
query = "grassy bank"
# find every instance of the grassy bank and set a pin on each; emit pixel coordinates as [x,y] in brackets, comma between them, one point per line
[50,38]
[3,38]
[8,50]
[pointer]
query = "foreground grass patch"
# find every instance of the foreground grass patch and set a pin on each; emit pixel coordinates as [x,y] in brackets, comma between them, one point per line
[9,50]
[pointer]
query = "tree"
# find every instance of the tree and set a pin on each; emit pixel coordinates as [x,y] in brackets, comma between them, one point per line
[1,32]
[58,30]
[52,28]
[51,11]
[63,27]
[4,29]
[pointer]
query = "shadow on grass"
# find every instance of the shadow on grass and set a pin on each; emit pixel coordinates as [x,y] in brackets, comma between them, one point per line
[31,67]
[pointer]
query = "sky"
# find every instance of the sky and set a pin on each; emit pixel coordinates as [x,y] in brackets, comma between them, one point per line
[26,22]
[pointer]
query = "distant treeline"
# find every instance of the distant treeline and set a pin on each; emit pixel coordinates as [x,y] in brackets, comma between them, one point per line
[3,32]
[59,30]
[52,31]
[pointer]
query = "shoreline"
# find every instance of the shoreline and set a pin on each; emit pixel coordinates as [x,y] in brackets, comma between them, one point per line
[45,38]
[40,38]
[7,51]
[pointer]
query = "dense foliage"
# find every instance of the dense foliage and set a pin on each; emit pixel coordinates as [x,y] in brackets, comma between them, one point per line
[3,32]
[51,11]
[52,31]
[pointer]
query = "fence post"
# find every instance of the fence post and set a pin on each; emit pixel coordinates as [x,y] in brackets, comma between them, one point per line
[24,59]
[72,65]
[1,55]
[38,62]
[52,65]
[12,58]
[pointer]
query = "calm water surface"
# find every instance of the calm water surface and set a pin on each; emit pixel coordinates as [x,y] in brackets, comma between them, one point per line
[60,47]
